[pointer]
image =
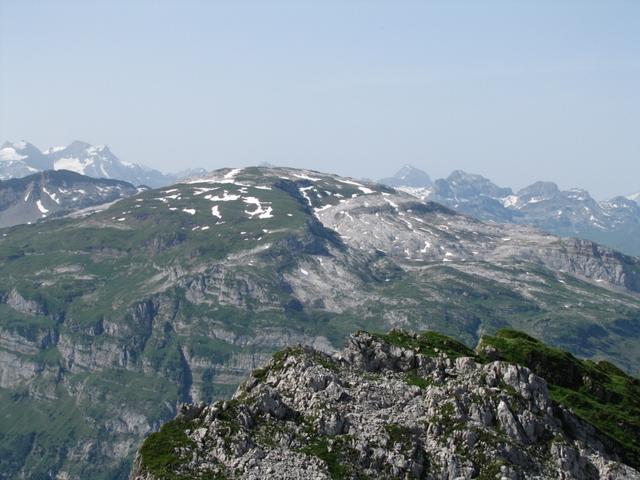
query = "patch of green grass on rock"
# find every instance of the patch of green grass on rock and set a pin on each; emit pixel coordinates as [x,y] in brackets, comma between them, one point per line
[159,453]
[599,392]
[428,343]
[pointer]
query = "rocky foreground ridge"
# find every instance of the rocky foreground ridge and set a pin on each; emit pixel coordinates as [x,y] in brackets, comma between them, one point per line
[410,406]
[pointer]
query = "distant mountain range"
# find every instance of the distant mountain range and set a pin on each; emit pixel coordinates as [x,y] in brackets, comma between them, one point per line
[22,158]
[55,193]
[572,213]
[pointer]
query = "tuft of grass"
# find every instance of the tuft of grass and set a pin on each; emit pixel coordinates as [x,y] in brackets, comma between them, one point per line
[412,378]
[159,452]
[428,343]
[335,452]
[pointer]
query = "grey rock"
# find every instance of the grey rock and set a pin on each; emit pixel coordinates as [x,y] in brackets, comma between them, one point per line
[493,419]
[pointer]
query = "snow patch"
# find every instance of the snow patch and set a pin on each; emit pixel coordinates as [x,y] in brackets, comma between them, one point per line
[259,211]
[9,154]
[350,182]
[306,177]
[324,207]
[232,174]
[394,205]
[201,190]
[73,164]
[303,191]
[51,195]
[509,201]
[41,207]
[226,197]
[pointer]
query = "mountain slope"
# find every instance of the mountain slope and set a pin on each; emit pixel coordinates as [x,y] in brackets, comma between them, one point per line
[110,320]
[55,193]
[389,406]
[575,213]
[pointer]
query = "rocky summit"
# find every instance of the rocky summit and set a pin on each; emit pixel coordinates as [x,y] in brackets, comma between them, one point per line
[110,320]
[403,406]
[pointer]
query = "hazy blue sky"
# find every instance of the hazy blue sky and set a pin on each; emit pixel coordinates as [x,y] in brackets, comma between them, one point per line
[515,90]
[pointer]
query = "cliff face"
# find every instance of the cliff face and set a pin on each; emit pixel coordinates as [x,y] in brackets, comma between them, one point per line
[109,321]
[395,406]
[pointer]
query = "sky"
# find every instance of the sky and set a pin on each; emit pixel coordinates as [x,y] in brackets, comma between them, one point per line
[517,91]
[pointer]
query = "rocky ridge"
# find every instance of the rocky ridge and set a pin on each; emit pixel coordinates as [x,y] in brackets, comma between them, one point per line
[393,406]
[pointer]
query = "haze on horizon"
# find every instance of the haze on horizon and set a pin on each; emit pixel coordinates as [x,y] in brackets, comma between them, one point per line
[517,92]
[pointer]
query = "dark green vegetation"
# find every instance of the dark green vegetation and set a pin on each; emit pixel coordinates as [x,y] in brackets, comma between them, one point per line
[159,453]
[107,322]
[428,343]
[599,392]
[335,453]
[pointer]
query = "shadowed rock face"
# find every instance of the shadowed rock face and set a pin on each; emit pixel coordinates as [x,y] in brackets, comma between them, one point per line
[395,406]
